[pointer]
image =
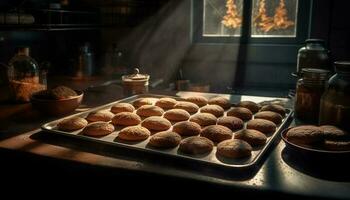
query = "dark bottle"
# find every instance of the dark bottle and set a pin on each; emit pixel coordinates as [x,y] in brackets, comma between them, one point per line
[309,90]
[313,55]
[335,102]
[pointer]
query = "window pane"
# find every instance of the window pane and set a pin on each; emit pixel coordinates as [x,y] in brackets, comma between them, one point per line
[274,18]
[222,18]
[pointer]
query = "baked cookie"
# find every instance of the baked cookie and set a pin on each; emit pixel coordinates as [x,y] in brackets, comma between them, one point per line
[149,110]
[213,109]
[243,113]
[269,115]
[122,107]
[334,133]
[165,139]
[253,137]
[198,100]
[275,108]
[252,106]
[126,119]
[142,101]
[188,106]
[156,123]
[306,134]
[337,145]
[72,124]
[196,145]
[166,103]
[233,123]
[177,115]
[220,101]
[187,128]
[102,115]
[134,133]
[234,149]
[204,119]
[262,125]
[216,133]
[98,129]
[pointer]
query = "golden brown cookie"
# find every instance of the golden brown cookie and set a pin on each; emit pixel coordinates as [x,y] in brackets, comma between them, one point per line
[240,112]
[233,123]
[165,139]
[187,128]
[188,106]
[122,107]
[334,133]
[196,145]
[166,103]
[306,134]
[253,137]
[213,109]
[337,145]
[126,119]
[216,133]
[204,119]
[134,133]
[149,110]
[262,125]
[102,115]
[252,106]
[275,108]
[72,124]
[98,129]
[156,123]
[198,100]
[269,115]
[142,101]
[234,149]
[220,101]
[177,115]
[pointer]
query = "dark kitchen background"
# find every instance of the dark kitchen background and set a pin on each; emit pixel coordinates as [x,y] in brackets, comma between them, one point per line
[156,35]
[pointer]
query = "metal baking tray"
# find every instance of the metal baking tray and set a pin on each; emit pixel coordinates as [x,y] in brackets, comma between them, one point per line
[210,159]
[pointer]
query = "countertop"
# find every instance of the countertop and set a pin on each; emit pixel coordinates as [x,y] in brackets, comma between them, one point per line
[283,173]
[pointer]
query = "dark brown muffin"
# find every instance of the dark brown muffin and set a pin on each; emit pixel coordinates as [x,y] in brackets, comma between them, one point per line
[199,100]
[252,106]
[134,133]
[269,115]
[220,101]
[253,137]
[204,119]
[306,134]
[122,107]
[126,119]
[240,112]
[262,125]
[166,103]
[196,145]
[275,108]
[187,128]
[177,115]
[98,129]
[233,123]
[149,110]
[72,124]
[102,115]
[188,106]
[234,149]
[337,145]
[165,139]
[213,109]
[216,133]
[156,123]
[142,101]
[334,133]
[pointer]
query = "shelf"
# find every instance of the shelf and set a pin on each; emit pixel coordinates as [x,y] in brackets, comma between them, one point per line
[48,27]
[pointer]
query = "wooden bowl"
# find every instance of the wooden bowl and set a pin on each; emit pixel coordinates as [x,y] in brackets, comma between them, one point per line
[56,107]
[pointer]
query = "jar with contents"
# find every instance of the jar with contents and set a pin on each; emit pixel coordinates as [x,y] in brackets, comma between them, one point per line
[135,83]
[313,55]
[335,102]
[309,90]
[24,76]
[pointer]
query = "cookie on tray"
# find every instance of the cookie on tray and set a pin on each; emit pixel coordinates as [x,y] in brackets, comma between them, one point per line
[126,119]
[196,145]
[220,101]
[204,119]
[134,133]
[142,101]
[253,137]
[233,123]
[275,108]
[252,106]
[187,128]
[305,134]
[72,124]
[165,139]
[156,123]
[234,149]
[98,129]
[101,115]
[213,109]
[216,133]
[122,107]
[198,100]
[269,115]
[262,125]
[149,110]
[166,103]
[243,113]
[177,115]
[188,106]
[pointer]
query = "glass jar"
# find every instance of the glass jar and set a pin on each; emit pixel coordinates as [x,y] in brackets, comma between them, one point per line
[313,55]
[135,83]
[335,102]
[24,76]
[309,90]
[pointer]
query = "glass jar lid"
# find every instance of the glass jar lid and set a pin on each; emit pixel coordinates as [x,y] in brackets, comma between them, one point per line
[342,66]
